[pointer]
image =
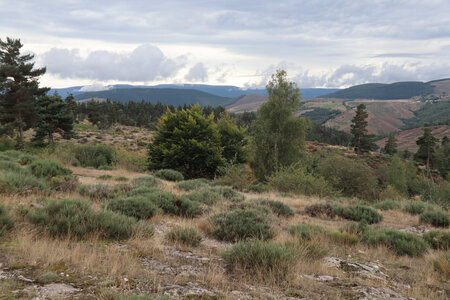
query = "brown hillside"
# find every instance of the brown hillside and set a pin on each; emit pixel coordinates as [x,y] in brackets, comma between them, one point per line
[441,87]
[250,102]
[407,139]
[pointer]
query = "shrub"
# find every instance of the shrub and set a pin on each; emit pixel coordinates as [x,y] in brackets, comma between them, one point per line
[294,179]
[188,236]
[438,239]
[387,205]
[205,196]
[228,193]
[193,184]
[20,181]
[137,206]
[350,177]
[390,193]
[121,178]
[277,207]
[343,238]
[402,243]
[6,221]
[144,229]
[9,166]
[418,207]
[320,210]
[169,174]
[147,181]
[113,225]
[358,213]
[306,231]
[164,200]
[97,191]
[105,177]
[236,175]
[436,218]
[190,209]
[95,155]
[6,144]
[442,264]
[241,224]
[266,261]
[66,183]
[131,161]
[26,159]
[48,168]
[141,190]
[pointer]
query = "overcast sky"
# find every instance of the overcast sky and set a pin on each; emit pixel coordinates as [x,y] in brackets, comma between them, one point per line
[321,43]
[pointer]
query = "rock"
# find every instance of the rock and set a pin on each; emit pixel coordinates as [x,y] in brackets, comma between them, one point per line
[370,270]
[187,291]
[417,229]
[321,278]
[57,290]
[381,293]
[20,277]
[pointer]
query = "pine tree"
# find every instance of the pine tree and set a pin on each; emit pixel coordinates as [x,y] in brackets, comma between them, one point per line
[54,116]
[391,145]
[361,141]
[278,136]
[19,87]
[427,146]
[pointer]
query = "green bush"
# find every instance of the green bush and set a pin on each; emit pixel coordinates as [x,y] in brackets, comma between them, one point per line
[193,184]
[241,224]
[402,243]
[66,183]
[95,155]
[350,177]
[13,154]
[439,240]
[358,213]
[418,207]
[6,221]
[228,193]
[137,206]
[320,210]
[26,159]
[436,218]
[48,168]
[188,236]
[266,261]
[76,218]
[121,178]
[105,177]
[97,191]
[9,166]
[387,205]
[294,179]
[206,196]
[20,181]
[147,181]
[306,231]
[277,207]
[343,238]
[390,193]
[190,209]
[169,174]
[164,200]
[6,144]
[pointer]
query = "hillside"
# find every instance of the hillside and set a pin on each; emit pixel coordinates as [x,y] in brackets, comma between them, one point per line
[164,95]
[249,102]
[406,139]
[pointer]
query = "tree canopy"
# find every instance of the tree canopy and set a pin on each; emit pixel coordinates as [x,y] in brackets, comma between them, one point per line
[361,141]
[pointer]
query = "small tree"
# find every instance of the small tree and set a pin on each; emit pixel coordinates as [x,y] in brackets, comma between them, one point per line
[361,141]
[232,139]
[188,142]
[278,136]
[427,146]
[396,175]
[19,87]
[54,116]
[391,145]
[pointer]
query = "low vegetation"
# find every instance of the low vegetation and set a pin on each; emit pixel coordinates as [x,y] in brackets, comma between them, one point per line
[168,174]
[188,236]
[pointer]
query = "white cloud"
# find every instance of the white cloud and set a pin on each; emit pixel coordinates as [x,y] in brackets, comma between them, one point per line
[197,73]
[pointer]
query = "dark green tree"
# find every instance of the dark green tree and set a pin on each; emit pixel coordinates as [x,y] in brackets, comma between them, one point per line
[19,87]
[278,137]
[361,141]
[232,139]
[391,145]
[445,141]
[396,175]
[54,116]
[427,147]
[188,142]
[72,105]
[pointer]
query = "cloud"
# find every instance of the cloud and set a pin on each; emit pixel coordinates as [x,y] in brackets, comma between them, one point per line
[197,73]
[145,63]
[95,88]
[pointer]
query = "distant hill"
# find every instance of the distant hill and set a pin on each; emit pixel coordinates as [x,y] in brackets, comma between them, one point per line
[381,91]
[167,96]
[249,102]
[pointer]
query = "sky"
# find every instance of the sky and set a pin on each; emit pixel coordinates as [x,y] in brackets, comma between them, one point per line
[320,43]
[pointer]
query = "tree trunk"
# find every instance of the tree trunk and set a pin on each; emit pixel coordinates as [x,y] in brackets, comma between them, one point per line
[19,118]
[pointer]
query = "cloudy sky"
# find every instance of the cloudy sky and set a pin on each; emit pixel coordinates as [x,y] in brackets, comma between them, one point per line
[321,43]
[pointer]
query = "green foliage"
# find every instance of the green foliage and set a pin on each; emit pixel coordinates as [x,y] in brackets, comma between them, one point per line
[241,224]
[387,205]
[237,176]
[76,218]
[6,221]
[277,207]
[26,159]
[324,134]
[206,196]
[190,209]
[6,144]
[147,181]
[188,236]
[97,191]
[361,141]
[442,160]
[320,210]
[228,193]
[66,183]
[352,178]
[95,155]
[390,193]
[232,139]
[343,238]
[427,144]
[294,179]
[268,261]
[105,177]
[164,200]
[391,145]
[188,142]
[193,184]
[436,218]
[9,166]
[418,207]
[439,240]
[137,206]
[429,114]
[48,168]
[278,136]
[120,178]
[358,213]
[396,175]
[306,231]
[442,264]
[170,175]
[20,181]
[402,243]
